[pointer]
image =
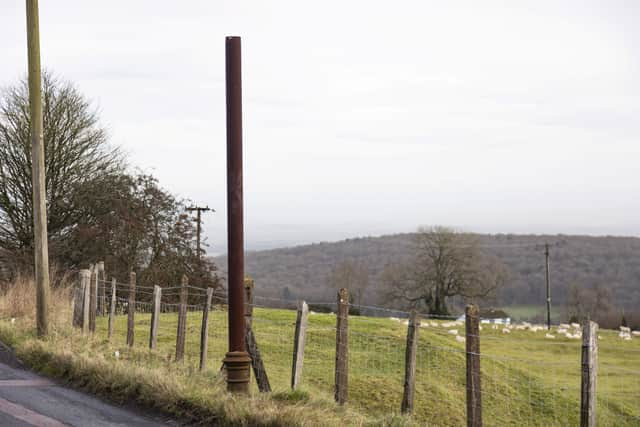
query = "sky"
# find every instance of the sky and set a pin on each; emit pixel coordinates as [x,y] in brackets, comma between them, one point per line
[366,117]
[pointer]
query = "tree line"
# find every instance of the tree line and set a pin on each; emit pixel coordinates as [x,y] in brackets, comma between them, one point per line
[99,207]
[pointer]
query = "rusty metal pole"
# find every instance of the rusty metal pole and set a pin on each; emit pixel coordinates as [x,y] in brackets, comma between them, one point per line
[237,360]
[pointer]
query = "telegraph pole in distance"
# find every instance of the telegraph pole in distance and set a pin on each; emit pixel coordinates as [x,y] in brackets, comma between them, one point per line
[37,173]
[546,255]
[199,211]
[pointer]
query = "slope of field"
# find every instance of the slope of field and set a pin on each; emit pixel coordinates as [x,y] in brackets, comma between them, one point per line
[584,261]
[527,379]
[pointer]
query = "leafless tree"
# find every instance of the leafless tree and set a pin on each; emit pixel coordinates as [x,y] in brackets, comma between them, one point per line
[76,153]
[351,275]
[445,264]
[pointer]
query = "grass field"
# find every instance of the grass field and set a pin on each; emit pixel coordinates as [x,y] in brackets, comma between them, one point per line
[527,379]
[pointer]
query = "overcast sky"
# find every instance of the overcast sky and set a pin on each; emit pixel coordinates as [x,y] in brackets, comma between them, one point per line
[367,117]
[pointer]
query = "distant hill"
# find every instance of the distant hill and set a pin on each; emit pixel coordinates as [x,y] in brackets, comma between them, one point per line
[303,271]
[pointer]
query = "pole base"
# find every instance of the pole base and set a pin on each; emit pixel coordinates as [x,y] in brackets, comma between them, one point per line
[238,367]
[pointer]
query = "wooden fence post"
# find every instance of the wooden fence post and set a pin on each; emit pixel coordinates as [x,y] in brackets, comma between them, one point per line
[94,299]
[86,287]
[204,330]
[78,296]
[182,320]
[112,309]
[250,340]
[298,344]
[474,391]
[589,374]
[342,347]
[102,289]
[131,309]
[410,363]
[155,316]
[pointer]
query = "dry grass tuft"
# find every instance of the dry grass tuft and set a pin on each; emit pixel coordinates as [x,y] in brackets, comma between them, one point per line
[18,298]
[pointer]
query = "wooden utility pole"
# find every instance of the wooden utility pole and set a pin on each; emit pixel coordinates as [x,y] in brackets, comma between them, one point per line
[199,210]
[38,171]
[546,255]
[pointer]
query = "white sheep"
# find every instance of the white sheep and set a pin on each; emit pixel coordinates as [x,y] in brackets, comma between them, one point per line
[549,336]
[564,326]
[635,333]
[506,331]
[394,318]
[453,331]
[460,339]
[434,324]
[625,329]
[562,330]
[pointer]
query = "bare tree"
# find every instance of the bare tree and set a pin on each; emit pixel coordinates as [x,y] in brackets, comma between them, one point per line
[351,275]
[76,153]
[446,263]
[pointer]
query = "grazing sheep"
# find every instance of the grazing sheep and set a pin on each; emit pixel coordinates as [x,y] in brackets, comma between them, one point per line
[506,331]
[394,318]
[453,331]
[635,333]
[460,339]
[434,324]
[625,329]
[549,336]
[575,326]
[562,330]
[564,326]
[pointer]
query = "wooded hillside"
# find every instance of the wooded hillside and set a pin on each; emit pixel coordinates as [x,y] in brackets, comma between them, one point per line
[578,262]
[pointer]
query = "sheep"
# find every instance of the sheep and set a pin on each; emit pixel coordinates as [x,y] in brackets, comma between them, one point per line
[460,339]
[394,318]
[624,335]
[564,326]
[625,329]
[549,336]
[635,333]
[575,326]
[494,326]
[506,331]
[434,324]
[562,330]
[453,331]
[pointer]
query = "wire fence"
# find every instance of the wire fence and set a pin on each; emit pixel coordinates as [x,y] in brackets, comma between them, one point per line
[528,376]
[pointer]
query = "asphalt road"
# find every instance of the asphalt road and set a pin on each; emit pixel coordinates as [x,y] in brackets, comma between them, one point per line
[28,400]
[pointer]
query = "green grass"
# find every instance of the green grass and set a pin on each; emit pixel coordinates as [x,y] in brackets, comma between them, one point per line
[526,379]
